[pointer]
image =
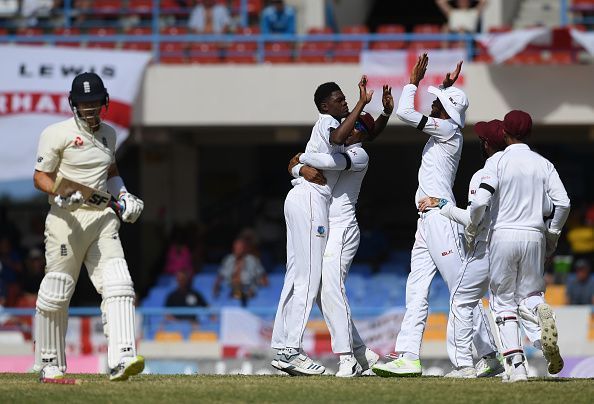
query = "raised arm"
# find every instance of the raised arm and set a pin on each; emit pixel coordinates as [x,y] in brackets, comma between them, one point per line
[444,6]
[382,121]
[354,159]
[339,135]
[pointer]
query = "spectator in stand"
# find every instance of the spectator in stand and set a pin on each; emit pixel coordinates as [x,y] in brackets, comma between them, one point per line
[179,256]
[242,272]
[464,17]
[581,237]
[580,290]
[210,17]
[183,296]
[278,18]
[31,10]
[11,267]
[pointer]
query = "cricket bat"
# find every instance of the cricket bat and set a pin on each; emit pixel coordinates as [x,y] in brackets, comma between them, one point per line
[92,197]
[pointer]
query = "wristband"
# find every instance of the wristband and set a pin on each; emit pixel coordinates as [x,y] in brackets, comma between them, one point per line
[295,170]
[384,113]
[442,202]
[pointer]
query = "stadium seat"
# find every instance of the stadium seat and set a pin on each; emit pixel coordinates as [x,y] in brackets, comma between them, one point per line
[145,46]
[3,34]
[278,52]
[30,32]
[426,29]
[140,6]
[203,336]
[173,48]
[557,58]
[316,51]
[102,32]
[556,295]
[157,296]
[174,60]
[241,52]
[348,51]
[280,269]
[360,269]
[436,327]
[168,336]
[254,7]
[66,32]
[165,280]
[525,58]
[204,53]
[107,7]
[210,269]
[388,45]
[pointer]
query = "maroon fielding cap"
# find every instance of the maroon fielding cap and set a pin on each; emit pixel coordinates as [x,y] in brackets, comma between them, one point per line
[367,121]
[517,124]
[492,133]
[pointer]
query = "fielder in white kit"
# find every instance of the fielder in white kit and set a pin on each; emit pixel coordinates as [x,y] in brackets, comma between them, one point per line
[343,238]
[515,188]
[82,149]
[437,241]
[306,215]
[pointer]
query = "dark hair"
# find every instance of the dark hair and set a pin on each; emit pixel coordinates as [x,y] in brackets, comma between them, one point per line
[323,92]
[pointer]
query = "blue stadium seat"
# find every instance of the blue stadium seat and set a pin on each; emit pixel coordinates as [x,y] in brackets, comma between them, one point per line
[210,269]
[361,269]
[394,268]
[157,296]
[276,280]
[279,269]
[166,280]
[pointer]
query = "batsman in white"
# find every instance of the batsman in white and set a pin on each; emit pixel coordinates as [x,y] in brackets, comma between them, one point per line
[306,216]
[82,149]
[437,241]
[515,187]
[344,236]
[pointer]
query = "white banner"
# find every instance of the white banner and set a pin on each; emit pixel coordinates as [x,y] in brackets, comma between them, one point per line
[505,45]
[394,67]
[34,86]
[584,38]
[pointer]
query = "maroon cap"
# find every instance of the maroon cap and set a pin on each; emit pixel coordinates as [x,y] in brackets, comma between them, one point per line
[517,124]
[492,133]
[367,121]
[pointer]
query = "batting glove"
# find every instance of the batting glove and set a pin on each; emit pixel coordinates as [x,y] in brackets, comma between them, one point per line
[132,207]
[69,203]
[551,238]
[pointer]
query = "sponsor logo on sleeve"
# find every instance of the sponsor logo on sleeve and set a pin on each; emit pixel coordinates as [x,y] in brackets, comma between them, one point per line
[321,231]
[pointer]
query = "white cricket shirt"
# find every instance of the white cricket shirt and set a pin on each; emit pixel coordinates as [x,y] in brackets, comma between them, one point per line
[76,154]
[442,152]
[517,186]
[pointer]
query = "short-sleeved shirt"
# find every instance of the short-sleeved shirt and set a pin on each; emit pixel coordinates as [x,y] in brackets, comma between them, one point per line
[251,272]
[77,154]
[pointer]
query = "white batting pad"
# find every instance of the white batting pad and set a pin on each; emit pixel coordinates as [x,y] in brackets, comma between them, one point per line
[118,306]
[51,319]
[509,331]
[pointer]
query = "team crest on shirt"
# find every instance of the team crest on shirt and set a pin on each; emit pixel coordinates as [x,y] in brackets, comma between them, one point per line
[78,141]
[321,231]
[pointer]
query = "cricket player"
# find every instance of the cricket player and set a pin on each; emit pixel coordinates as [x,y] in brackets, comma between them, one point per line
[343,238]
[515,187]
[437,241]
[82,149]
[473,278]
[306,216]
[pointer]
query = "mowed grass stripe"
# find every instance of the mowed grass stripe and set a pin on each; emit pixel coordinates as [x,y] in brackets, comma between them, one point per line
[25,388]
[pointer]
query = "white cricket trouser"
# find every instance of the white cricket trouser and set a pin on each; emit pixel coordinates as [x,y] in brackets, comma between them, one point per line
[306,216]
[437,247]
[517,265]
[340,251]
[341,248]
[467,322]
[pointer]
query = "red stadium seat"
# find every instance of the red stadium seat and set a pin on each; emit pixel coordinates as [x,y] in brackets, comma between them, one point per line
[348,51]
[144,46]
[140,6]
[426,29]
[254,7]
[278,52]
[558,58]
[103,32]
[241,52]
[389,29]
[495,30]
[525,58]
[204,53]
[30,32]
[66,32]
[3,34]
[173,59]
[316,51]
[173,46]
[107,7]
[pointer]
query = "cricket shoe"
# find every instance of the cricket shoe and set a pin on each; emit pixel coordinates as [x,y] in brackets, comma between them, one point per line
[275,364]
[348,367]
[51,372]
[517,373]
[548,338]
[400,367]
[295,363]
[489,367]
[463,373]
[367,359]
[129,366]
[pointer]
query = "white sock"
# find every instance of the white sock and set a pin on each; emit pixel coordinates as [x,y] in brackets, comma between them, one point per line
[346,356]
[410,356]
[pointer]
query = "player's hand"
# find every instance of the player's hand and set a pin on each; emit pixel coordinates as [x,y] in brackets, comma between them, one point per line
[470,236]
[364,95]
[293,162]
[418,72]
[551,239]
[387,99]
[71,202]
[313,175]
[428,202]
[132,207]
[451,78]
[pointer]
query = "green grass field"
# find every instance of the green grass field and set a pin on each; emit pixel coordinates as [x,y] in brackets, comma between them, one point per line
[25,388]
